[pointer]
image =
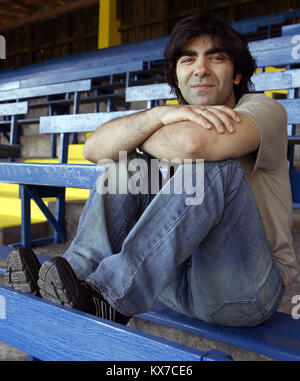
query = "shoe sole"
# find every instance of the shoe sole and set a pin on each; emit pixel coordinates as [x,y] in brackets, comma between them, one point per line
[58,283]
[22,269]
[52,283]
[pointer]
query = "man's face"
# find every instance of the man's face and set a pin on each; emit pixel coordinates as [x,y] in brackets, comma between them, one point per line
[205,74]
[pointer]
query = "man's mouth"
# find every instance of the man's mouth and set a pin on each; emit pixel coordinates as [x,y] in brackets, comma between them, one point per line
[202,86]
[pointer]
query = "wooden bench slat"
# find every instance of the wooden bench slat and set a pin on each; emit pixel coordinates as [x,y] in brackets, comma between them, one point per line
[60,175]
[277,80]
[54,333]
[79,122]
[292,109]
[10,85]
[37,91]
[290,30]
[274,43]
[71,75]
[18,108]
[149,92]
[277,338]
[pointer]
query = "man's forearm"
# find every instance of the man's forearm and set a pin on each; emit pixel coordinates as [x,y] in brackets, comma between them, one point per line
[188,140]
[123,134]
[175,141]
[172,142]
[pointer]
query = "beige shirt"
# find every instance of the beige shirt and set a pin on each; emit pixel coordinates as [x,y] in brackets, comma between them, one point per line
[267,172]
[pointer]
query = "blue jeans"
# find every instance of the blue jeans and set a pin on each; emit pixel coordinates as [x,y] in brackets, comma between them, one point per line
[210,261]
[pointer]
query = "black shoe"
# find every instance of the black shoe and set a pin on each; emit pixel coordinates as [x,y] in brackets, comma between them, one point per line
[59,283]
[22,270]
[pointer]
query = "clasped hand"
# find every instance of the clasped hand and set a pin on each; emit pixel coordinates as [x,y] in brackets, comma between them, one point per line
[221,118]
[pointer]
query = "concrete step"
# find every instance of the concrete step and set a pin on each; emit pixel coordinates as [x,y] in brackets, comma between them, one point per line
[35,146]
[12,234]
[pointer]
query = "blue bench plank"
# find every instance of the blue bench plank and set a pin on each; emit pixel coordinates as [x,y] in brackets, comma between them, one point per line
[290,30]
[37,91]
[251,24]
[18,108]
[278,337]
[276,80]
[267,81]
[10,85]
[72,74]
[60,175]
[79,122]
[275,43]
[125,53]
[149,92]
[292,109]
[276,51]
[54,333]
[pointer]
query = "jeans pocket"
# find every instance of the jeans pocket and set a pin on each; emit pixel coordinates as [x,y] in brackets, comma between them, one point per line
[239,313]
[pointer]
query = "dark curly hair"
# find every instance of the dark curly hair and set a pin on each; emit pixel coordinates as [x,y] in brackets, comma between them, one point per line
[224,36]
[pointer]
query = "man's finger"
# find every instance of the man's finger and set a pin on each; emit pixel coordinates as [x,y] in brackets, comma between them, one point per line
[219,120]
[228,111]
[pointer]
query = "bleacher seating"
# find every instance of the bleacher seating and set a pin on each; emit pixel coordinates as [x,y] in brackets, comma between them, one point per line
[277,338]
[12,110]
[290,30]
[103,342]
[50,332]
[19,93]
[252,25]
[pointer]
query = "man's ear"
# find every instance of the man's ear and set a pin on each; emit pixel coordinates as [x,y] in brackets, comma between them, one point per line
[237,79]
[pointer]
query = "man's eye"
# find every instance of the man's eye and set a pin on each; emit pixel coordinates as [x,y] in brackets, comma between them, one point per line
[217,58]
[186,60]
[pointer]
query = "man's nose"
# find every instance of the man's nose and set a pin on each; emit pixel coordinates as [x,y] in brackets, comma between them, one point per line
[201,67]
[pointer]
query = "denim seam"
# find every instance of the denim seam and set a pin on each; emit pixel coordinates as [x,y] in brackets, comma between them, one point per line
[120,231]
[255,301]
[228,303]
[280,288]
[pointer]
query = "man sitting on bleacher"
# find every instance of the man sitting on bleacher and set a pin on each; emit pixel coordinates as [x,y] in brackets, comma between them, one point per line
[225,260]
